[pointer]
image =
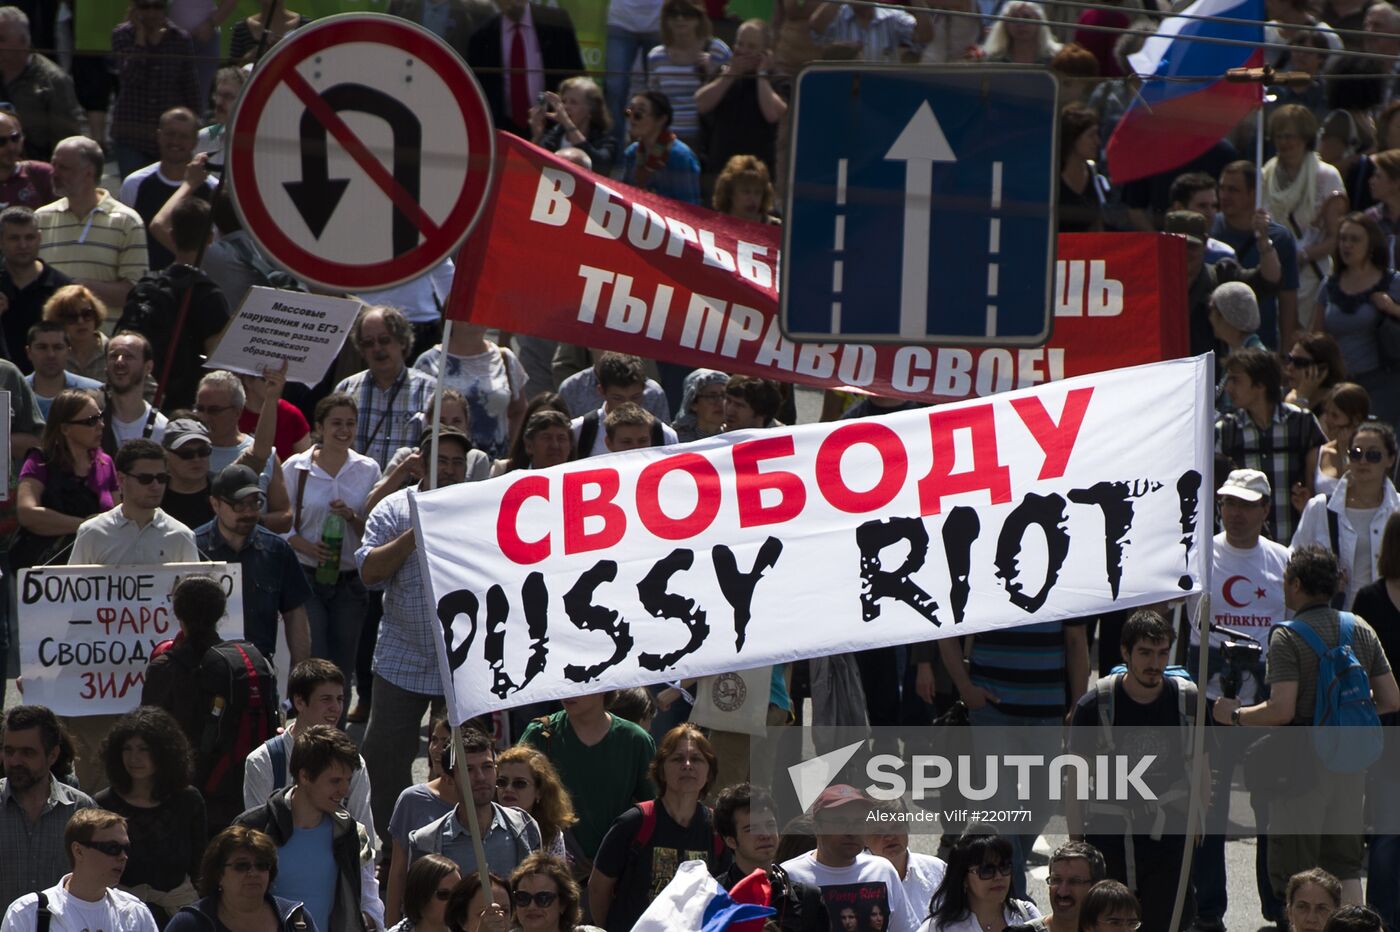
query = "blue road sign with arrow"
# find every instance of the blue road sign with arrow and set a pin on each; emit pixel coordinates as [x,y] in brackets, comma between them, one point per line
[921,205]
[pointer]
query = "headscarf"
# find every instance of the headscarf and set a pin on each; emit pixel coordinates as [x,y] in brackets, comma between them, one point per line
[700,378]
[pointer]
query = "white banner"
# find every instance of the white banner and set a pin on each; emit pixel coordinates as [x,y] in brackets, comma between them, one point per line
[87,632]
[306,330]
[762,547]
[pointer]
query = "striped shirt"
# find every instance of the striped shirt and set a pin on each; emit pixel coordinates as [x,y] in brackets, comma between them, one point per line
[107,245]
[881,39]
[1025,668]
[1280,453]
[680,82]
[386,420]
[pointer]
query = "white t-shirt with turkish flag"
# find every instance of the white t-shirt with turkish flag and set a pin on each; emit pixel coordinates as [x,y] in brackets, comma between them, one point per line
[1246,589]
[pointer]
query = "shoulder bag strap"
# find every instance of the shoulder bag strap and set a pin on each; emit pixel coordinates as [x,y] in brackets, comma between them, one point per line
[301,492]
[388,405]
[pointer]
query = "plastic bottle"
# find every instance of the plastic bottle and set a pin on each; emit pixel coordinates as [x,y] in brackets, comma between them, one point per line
[332,534]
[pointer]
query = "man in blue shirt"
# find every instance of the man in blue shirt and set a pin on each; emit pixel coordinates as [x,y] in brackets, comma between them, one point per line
[1235,225]
[273,582]
[47,348]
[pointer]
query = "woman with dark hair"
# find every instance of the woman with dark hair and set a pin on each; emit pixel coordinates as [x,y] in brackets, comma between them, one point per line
[625,871]
[655,159]
[417,805]
[1109,907]
[234,878]
[1340,412]
[431,880]
[1363,502]
[975,895]
[1385,181]
[64,482]
[1312,367]
[547,440]
[331,483]
[526,779]
[1082,188]
[1379,602]
[546,897]
[1361,288]
[148,763]
[469,909]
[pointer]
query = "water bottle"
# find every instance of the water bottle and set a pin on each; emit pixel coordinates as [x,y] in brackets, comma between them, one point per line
[332,534]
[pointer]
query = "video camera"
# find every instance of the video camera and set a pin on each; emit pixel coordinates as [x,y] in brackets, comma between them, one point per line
[1242,652]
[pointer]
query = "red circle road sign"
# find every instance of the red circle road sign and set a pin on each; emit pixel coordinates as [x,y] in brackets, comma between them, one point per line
[360,152]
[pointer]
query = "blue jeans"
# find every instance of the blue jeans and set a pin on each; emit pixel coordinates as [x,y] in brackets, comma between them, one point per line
[1041,736]
[335,613]
[622,50]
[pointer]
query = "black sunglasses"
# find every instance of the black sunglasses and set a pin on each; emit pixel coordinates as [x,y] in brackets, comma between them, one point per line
[1356,455]
[988,871]
[543,899]
[443,895]
[193,453]
[90,421]
[113,849]
[1299,362]
[243,867]
[146,478]
[13,139]
[519,783]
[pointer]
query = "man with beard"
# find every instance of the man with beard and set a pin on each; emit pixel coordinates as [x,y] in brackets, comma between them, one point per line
[34,807]
[273,583]
[1140,698]
[406,675]
[130,361]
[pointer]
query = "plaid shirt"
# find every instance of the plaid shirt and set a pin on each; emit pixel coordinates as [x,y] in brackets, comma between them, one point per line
[34,856]
[1280,453]
[406,654]
[386,420]
[154,78]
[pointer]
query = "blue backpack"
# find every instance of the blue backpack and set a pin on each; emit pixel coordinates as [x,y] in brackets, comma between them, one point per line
[1343,699]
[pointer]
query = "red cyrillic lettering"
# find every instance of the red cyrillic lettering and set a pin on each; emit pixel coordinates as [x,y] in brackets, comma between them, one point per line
[577,511]
[707,496]
[751,484]
[1057,440]
[894,462]
[987,471]
[508,537]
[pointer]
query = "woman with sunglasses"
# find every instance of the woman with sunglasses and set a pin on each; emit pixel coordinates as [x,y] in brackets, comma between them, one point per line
[1351,521]
[526,779]
[148,761]
[546,898]
[82,314]
[688,57]
[237,871]
[64,482]
[1362,288]
[418,805]
[1312,368]
[1109,907]
[975,895]
[656,159]
[430,883]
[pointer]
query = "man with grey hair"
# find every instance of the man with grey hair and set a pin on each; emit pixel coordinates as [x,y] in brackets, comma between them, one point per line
[1234,316]
[40,92]
[87,233]
[388,392]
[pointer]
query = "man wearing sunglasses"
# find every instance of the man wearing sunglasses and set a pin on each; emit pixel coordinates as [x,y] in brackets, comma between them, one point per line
[87,898]
[136,532]
[509,835]
[187,450]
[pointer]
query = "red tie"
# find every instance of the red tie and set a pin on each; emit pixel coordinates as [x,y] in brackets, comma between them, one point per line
[519,81]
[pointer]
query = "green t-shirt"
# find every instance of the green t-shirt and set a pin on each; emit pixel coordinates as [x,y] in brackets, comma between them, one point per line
[604,780]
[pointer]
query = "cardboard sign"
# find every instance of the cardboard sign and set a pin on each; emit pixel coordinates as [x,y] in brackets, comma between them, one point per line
[305,330]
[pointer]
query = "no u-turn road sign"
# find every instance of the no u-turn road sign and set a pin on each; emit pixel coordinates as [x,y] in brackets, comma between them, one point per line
[361,152]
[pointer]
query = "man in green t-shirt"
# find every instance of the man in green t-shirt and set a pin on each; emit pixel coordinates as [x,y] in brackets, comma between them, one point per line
[602,760]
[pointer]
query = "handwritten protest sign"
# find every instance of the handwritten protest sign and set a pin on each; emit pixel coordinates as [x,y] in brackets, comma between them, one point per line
[89,630]
[305,330]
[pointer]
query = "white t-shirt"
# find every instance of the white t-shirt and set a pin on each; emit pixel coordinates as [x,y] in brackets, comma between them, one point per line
[600,441]
[642,16]
[117,911]
[135,430]
[922,878]
[871,882]
[1246,594]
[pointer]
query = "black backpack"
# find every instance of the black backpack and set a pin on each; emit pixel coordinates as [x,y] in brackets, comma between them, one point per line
[239,687]
[593,422]
[151,308]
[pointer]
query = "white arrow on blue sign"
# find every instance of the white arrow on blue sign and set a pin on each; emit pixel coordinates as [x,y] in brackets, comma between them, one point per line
[921,205]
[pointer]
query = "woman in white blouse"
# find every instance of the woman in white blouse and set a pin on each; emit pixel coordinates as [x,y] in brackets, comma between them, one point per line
[330,478]
[975,895]
[1351,521]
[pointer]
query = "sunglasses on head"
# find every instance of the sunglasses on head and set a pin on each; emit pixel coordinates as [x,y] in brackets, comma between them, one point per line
[988,871]
[543,899]
[89,421]
[146,478]
[243,867]
[1356,455]
[193,453]
[519,783]
[113,849]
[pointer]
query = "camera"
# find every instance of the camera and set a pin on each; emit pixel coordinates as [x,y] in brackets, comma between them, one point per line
[1242,654]
[543,101]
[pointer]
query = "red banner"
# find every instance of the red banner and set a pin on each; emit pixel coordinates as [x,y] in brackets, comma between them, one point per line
[565,254]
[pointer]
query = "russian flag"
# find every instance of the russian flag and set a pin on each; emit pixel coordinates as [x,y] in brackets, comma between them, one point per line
[1170,122]
[695,902]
